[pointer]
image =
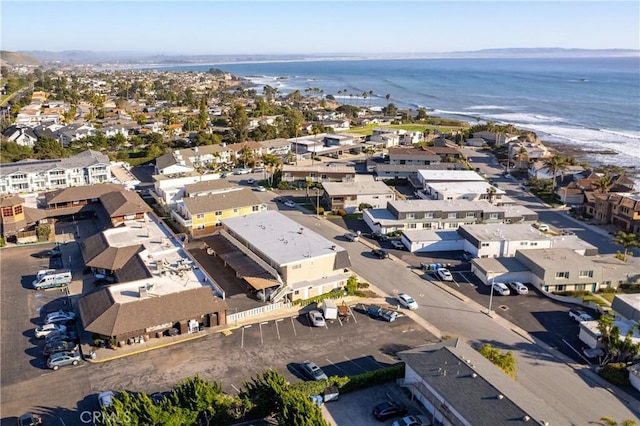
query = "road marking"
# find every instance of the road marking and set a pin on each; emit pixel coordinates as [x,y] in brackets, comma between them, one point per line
[352,315]
[260,325]
[277,328]
[294,327]
[233,386]
[242,339]
[355,363]
[340,369]
[465,277]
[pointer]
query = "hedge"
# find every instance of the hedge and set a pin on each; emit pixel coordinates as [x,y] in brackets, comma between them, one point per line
[348,384]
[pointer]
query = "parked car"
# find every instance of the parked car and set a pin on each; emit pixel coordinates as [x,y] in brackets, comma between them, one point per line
[407,301]
[316,318]
[45,330]
[579,315]
[29,419]
[251,181]
[61,359]
[501,289]
[60,317]
[48,253]
[42,272]
[518,287]
[567,232]
[105,399]
[397,244]
[104,281]
[289,203]
[380,253]
[312,371]
[259,188]
[388,409]
[412,421]
[444,274]
[468,256]
[542,227]
[351,236]
[59,346]
[379,236]
[56,336]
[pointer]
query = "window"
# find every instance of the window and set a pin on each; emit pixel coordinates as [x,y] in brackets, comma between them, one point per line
[235,210]
[411,215]
[200,227]
[563,275]
[7,212]
[255,208]
[298,266]
[470,214]
[494,216]
[484,245]
[18,209]
[585,274]
[579,286]
[452,215]
[534,243]
[428,215]
[218,213]
[560,287]
[524,243]
[411,225]
[200,216]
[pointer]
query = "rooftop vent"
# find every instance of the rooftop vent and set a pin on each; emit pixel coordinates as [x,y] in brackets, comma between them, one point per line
[142,291]
[500,396]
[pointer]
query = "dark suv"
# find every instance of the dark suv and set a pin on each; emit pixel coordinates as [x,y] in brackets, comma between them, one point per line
[380,253]
[388,409]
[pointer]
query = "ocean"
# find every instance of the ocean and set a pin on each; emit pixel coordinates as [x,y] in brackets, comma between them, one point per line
[592,104]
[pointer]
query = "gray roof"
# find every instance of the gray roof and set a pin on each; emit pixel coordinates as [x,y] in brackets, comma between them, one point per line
[499,265]
[389,168]
[206,186]
[359,187]
[501,232]
[84,159]
[279,238]
[627,306]
[550,258]
[274,143]
[471,386]
[221,201]
[444,206]
[319,168]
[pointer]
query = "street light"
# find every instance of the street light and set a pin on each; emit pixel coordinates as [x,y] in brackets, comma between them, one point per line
[317,200]
[491,296]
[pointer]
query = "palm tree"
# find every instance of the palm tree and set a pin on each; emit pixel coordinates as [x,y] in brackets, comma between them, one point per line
[271,162]
[388,98]
[604,183]
[370,96]
[491,193]
[364,98]
[246,154]
[522,155]
[555,164]
[627,240]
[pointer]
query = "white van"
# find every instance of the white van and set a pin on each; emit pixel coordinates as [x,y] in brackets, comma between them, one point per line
[53,279]
[501,289]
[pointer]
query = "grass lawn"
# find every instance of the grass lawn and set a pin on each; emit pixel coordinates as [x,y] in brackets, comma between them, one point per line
[368,130]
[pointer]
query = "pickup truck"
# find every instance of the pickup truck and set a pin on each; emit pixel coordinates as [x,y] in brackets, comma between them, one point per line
[384,314]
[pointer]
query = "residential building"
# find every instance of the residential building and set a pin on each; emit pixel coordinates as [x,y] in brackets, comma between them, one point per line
[22,135]
[539,170]
[85,168]
[413,156]
[426,176]
[270,251]
[495,138]
[16,218]
[626,307]
[406,171]
[431,214]
[323,143]
[466,190]
[74,132]
[497,240]
[560,269]
[203,214]
[619,209]
[279,146]
[169,189]
[458,386]
[255,150]
[318,173]
[189,159]
[348,196]
[159,285]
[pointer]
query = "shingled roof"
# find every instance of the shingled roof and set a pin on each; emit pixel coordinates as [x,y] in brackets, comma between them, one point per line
[221,201]
[102,315]
[114,258]
[123,203]
[78,193]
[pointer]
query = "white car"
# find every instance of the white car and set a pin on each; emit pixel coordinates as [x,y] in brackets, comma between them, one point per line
[251,181]
[59,317]
[45,330]
[518,287]
[407,301]
[501,289]
[412,421]
[397,244]
[351,236]
[316,318]
[444,274]
[259,188]
[579,315]
[289,203]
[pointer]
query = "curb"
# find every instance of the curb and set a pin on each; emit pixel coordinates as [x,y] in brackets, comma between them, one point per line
[199,336]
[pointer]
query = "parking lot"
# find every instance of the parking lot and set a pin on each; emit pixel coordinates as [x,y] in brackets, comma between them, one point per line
[537,314]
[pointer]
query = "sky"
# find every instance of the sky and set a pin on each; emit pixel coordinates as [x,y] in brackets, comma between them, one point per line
[316,27]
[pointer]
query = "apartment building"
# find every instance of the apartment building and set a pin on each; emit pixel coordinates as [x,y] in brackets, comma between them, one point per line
[318,173]
[86,168]
[349,196]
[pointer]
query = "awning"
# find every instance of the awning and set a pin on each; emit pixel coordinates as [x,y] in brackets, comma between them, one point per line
[261,283]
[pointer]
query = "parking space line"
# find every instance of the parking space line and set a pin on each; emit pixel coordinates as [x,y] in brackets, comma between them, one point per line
[295,333]
[576,351]
[331,362]
[465,277]
[277,328]
[242,339]
[355,363]
[352,315]
[234,387]
[340,321]
[373,360]
[261,338]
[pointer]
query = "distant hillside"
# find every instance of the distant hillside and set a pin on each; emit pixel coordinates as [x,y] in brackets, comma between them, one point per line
[548,52]
[17,58]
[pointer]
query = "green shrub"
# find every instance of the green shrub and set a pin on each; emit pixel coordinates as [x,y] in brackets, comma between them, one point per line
[3,242]
[353,383]
[615,373]
[334,294]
